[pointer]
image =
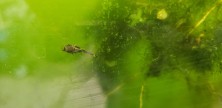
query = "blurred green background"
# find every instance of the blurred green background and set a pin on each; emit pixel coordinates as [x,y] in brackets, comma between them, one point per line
[149,53]
[35,72]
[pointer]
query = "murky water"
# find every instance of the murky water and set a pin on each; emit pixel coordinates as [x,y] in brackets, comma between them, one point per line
[143,54]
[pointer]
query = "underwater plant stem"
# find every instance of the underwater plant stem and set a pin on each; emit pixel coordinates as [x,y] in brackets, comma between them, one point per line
[205,16]
[141,96]
[114,90]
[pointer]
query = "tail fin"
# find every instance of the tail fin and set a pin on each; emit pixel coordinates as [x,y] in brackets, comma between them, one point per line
[84,51]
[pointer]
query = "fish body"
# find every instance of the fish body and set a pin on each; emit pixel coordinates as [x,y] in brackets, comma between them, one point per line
[75,49]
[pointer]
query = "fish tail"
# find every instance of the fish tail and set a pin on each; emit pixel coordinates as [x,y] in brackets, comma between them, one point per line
[84,51]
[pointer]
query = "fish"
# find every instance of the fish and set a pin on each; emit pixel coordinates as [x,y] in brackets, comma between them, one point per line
[75,49]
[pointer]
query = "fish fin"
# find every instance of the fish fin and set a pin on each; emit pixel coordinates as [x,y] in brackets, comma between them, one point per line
[84,51]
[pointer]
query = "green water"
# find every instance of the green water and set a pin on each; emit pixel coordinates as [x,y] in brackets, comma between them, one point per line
[35,72]
[148,53]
